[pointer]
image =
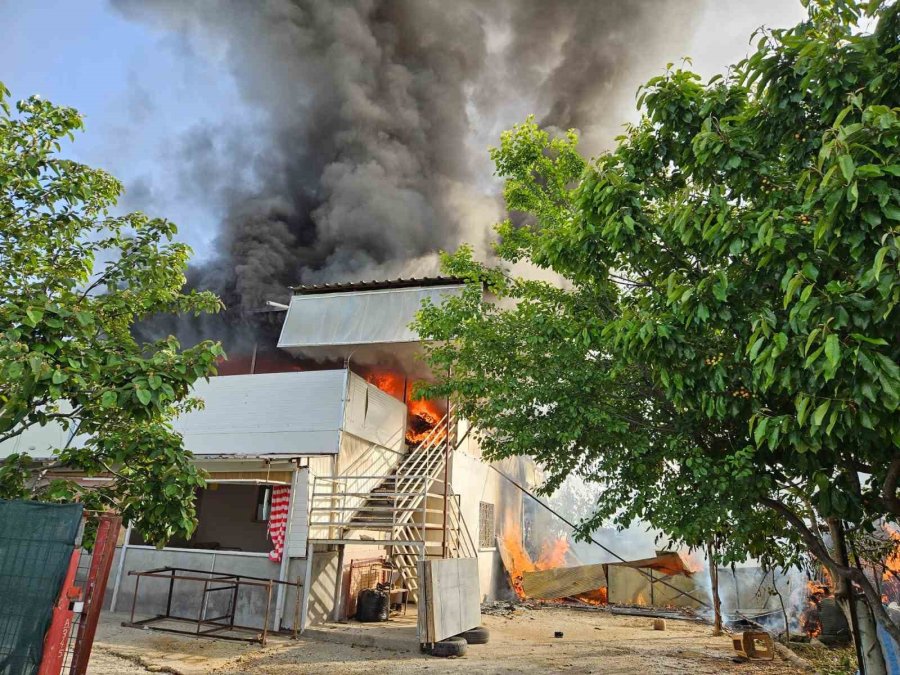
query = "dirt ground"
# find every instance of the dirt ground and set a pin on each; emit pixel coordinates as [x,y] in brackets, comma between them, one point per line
[593,642]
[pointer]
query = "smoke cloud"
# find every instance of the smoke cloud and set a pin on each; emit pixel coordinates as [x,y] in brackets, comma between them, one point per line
[367,155]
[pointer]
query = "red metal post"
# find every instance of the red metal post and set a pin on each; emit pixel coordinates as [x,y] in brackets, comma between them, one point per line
[95,589]
[57,638]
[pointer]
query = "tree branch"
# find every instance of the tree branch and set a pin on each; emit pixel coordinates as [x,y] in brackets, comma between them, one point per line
[820,551]
[889,489]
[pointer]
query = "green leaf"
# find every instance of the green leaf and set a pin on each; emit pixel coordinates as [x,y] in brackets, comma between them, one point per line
[155,381]
[143,395]
[84,318]
[872,341]
[781,340]
[34,315]
[757,345]
[108,399]
[848,168]
[879,261]
[809,341]
[760,431]
[820,413]
[792,287]
[802,404]
[832,349]
[853,195]
[811,359]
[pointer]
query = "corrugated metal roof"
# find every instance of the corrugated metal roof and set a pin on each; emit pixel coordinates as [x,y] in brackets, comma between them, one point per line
[376,285]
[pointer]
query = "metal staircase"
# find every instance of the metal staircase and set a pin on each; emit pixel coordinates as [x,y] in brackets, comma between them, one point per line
[404,511]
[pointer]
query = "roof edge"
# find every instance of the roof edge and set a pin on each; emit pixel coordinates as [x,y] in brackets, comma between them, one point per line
[388,284]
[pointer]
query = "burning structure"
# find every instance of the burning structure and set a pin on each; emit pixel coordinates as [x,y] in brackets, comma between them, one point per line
[317,456]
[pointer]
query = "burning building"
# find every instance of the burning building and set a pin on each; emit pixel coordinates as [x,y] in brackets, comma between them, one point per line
[317,456]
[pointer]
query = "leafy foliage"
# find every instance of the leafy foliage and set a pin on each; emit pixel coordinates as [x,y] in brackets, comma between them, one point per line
[73,281]
[723,359]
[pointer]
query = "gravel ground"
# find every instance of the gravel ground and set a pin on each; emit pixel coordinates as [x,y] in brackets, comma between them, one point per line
[593,642]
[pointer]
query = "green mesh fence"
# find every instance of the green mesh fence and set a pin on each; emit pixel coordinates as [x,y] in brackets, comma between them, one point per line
[36,543]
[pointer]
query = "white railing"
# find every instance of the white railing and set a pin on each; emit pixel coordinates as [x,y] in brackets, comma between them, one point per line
[396,506]
[337,500]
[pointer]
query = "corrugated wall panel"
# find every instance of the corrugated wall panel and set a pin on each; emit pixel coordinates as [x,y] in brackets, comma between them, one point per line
[298,528]
[374,415]
[360,317]
[278,413]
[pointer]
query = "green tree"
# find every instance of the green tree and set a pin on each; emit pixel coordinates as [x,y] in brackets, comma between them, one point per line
[723,355]
[74,279]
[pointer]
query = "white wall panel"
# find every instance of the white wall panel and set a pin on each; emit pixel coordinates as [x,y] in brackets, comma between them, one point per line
[298,525]
[278,413]
[359,317]
[374,415]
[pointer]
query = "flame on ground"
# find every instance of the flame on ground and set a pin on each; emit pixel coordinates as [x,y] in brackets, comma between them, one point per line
[823,587]
[553,554]
[817,590]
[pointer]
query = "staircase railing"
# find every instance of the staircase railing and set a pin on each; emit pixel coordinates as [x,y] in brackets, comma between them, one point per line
[399,506]
[336,500]
[461,539]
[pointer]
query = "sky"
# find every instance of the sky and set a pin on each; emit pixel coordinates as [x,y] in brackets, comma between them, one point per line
[144,90]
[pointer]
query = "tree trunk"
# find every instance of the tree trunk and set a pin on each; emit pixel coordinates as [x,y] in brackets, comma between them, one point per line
[873,657]
[862,624]
[714,580]
[819,550]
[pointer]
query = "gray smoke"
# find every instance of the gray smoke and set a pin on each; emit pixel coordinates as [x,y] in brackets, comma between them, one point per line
[373,117]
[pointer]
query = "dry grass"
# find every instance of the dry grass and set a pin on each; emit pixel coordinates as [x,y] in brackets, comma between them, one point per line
[828,660]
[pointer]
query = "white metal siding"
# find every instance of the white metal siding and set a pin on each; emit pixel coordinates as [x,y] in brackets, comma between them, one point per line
[356,318]
[277,413]
[374,415]
[298,525]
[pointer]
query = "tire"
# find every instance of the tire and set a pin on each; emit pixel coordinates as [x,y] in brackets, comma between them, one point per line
[454,646]
[476,636]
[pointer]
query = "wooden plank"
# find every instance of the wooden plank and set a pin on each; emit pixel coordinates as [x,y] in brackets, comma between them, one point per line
[562,582]
[452,597]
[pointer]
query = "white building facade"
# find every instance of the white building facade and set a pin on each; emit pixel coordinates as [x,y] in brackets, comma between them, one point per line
[332,441]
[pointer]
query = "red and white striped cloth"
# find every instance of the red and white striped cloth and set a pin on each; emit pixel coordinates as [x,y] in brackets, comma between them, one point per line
[278,517]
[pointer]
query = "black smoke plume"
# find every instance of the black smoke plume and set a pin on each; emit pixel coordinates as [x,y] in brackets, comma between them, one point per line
[375,116]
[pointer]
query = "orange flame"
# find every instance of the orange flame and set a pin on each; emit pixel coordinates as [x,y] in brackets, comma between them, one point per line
[554,553]
[389,383]
[693,561]
[817,590]
[517,559]
[891,577]
[422,415]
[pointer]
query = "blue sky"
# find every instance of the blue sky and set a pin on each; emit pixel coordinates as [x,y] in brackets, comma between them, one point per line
[136,87]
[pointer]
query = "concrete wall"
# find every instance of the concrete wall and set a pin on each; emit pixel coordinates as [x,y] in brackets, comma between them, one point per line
[475,481]
[322,584]
[295,572]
